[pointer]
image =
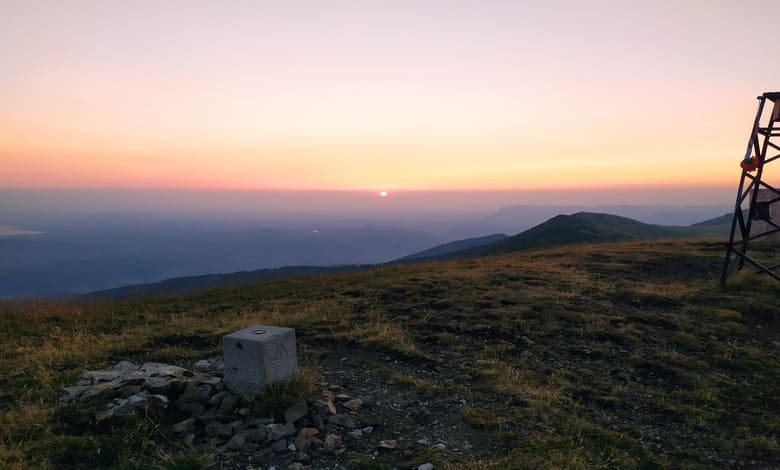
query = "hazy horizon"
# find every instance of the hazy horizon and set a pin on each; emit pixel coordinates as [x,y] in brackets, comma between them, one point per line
[344,204]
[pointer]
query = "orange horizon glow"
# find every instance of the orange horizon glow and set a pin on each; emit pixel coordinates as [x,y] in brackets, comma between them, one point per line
[358,97]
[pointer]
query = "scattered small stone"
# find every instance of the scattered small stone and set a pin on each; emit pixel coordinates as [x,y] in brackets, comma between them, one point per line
[183,427]
[355,435]
[372,420]
[217,398]
[440,446]
[236,442]
[262,456]
[229,403]
[342,419]
[296,411]
[278,431]
[255,434]
[388,444]
[425,466]
[302,443]
[219,430]
[368,430]
[279,446]
[308,432]
[332,442]
[343,397]
[353,405]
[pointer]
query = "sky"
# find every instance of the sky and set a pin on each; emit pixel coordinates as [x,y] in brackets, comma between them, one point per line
[379,95]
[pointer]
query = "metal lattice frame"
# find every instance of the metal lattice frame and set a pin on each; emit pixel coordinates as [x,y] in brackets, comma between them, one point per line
[761,146]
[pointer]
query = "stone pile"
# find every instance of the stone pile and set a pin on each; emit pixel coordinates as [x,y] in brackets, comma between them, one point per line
[206,416]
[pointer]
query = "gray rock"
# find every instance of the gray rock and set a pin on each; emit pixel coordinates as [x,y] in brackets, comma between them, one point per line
[303,457]
[353,405]
[193,408]
[155,369]
[261,422]
[203,364]
[278,431]
[158,401]
[184,427]
[262,456]
[371,420]
[131,377]
[236,442]
[217,429]
[125,366]
[332,442]
[308,432]
[255,434]
[217,398]
[355,435]
[342,419]
[215,382]
[279,446]
[388,444]
[129,390]
[236,425]
[302,443]
[68,394]
[122,407]
[157,384]
[325,407]
[425,466]
[98,376]
[316,420]
[191,393]
[296,411]
[229,403]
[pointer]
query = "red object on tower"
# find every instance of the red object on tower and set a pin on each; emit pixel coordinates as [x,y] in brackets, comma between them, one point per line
[750,165]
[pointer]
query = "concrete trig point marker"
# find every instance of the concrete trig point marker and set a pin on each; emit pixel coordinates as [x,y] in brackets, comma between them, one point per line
[257,356]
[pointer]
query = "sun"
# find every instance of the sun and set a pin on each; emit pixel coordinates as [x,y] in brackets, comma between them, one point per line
[382,193]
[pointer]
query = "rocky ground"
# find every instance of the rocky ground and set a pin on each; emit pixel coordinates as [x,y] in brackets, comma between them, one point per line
[356,415]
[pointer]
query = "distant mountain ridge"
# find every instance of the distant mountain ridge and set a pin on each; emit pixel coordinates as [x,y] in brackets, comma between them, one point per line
[451,247]
[189,284]
[578,228]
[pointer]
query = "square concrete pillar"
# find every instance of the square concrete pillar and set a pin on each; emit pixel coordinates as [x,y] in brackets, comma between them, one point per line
[257,356]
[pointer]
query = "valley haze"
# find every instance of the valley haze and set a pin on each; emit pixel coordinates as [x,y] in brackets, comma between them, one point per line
[71,242]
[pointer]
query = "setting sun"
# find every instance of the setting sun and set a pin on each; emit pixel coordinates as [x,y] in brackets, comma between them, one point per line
[382,193]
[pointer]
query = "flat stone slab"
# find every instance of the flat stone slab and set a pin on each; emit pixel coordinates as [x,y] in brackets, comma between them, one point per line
[257,356]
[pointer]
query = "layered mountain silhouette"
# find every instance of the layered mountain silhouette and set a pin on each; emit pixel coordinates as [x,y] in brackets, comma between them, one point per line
[579,228]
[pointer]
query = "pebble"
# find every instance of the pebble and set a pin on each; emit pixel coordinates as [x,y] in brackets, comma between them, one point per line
[296,411]
[332,442]
[353,405]
[388,444]
[236,442]
[342,419]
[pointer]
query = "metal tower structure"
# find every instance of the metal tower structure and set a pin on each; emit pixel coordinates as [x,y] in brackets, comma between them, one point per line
[758,195]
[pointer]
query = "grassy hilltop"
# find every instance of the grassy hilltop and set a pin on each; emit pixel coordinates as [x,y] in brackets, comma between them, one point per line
[624,355]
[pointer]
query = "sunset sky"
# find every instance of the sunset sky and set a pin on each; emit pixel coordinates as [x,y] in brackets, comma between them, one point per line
[379,95]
